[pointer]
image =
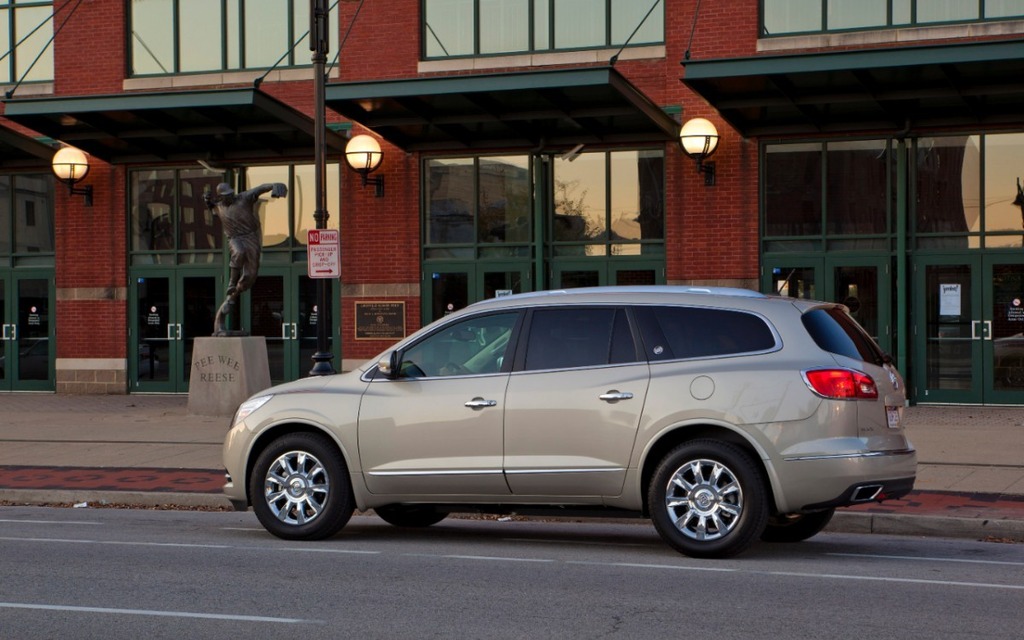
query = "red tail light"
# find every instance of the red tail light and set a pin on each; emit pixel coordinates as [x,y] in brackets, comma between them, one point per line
[841,384]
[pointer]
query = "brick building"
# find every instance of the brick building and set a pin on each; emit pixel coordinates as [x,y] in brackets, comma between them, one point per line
[866,155]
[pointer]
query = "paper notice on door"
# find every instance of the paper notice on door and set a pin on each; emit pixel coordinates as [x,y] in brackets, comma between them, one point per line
[949,299]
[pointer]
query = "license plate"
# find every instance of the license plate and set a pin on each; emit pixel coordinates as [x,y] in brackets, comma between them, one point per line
[894,414]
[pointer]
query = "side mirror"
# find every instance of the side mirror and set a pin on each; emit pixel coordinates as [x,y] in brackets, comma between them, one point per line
[390,366]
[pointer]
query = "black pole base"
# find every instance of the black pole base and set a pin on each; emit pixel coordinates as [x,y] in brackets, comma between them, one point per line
[322,364]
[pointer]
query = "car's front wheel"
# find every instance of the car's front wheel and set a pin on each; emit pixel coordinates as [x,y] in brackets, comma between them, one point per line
[300,489]
[708,500]
[410,515]
[796,528]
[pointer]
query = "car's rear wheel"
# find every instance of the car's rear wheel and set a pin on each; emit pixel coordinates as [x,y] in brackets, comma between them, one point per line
[300,489]
[410,515]
[708,500]
[797,527]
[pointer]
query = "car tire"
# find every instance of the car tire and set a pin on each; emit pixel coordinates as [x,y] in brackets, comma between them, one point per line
[796,528]
[707,499]
[410,515]
[300,488]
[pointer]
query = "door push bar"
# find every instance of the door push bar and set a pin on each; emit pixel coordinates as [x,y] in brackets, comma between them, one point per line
[174,331]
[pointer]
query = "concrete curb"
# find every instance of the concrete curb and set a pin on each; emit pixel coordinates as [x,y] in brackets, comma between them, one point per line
[52,497]
[929,526]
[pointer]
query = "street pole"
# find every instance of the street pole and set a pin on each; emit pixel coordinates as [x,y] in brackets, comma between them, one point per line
[319,44]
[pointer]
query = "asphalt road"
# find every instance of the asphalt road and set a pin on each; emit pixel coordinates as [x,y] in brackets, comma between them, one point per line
[111,573]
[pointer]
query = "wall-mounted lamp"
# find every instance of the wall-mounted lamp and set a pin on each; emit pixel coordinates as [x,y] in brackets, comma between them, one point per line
[363,154]
[699,138]
[71,165]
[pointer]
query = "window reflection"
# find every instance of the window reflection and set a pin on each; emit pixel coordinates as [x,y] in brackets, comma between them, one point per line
[580,192]
[784,17]
[856,189]
[948,184]
[302,198]
[504,209]
[450,201]
[1003,153]
[793,189]
[33,214]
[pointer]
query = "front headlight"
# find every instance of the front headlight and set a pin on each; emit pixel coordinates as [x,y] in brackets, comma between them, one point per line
[249,406]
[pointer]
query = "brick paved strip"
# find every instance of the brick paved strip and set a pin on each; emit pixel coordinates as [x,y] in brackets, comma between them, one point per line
[113,479]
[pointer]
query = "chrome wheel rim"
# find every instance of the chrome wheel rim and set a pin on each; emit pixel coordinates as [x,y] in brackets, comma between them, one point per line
[296,488]
[704,500]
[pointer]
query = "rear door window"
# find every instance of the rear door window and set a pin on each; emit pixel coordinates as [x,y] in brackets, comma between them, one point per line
[670,333]
[566,338]
[835,331]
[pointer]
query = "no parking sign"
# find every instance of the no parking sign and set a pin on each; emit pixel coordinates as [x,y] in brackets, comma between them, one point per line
[323,253]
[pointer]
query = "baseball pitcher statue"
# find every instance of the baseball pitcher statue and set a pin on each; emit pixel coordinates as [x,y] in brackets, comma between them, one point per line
[240,219]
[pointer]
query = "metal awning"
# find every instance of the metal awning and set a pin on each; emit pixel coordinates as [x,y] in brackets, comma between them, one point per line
[215,125]
[525,110]
[886,90]
[18,151]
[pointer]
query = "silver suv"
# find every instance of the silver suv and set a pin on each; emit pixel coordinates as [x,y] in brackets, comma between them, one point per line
[722,414]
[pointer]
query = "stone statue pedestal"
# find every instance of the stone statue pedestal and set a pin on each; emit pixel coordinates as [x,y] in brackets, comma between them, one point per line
[226,371]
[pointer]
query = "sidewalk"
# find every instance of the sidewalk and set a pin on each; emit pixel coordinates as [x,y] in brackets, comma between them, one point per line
[146,450]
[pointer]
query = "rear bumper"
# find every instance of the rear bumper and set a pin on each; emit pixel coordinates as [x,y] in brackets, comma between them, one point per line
[815,483]
[874,491]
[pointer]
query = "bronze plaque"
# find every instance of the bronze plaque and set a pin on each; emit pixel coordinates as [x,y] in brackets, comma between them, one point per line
[380,320]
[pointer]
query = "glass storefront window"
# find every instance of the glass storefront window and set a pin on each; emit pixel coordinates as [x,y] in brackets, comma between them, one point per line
[1003,171]
[579,24]
[790,16]
[857,187]
[948,184]
[33,214]
[504,200]
[580,193]
[302,197]
[26,214]
[504,26]
[448,27]
[6,236]
[450,201]
[793,189]
[946,10]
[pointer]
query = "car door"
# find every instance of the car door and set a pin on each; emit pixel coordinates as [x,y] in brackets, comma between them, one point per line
[573,403]
[437,428]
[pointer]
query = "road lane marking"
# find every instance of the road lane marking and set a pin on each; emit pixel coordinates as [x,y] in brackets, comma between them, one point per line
[926,558]
[162,614]
[95,524]
[494,558]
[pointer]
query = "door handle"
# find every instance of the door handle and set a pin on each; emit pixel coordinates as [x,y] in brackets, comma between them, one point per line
[480,403]
[284,330]
[615,396]
[295,331]
[987,334]
[974,329]
[6,327]
[170,331]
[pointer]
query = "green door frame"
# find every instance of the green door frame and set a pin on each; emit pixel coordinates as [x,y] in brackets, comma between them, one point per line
[168,333]
[948,329]
[295,330]
[16,342]
[476,281]
[823,282]
[607,269]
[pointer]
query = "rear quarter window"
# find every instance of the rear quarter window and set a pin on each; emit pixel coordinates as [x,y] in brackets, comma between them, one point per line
[694,332]
[836,332]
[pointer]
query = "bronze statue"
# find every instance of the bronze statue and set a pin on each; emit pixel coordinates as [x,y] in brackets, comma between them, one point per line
[240,219]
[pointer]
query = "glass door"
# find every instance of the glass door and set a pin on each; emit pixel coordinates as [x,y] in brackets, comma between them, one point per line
[794,277]
[453,286]
[950,330]
[863,285]
[169,311]
[27,351]
[573,274]
[282,307]
[1003,343]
